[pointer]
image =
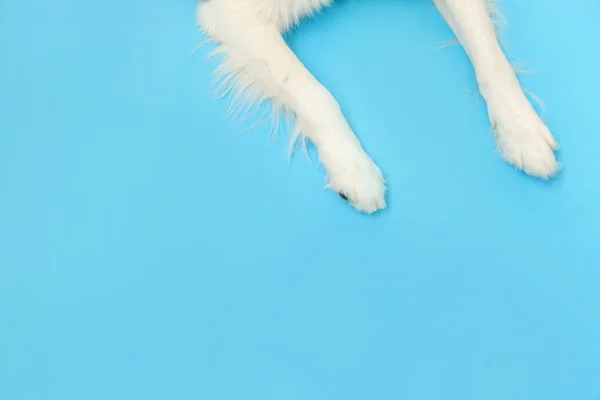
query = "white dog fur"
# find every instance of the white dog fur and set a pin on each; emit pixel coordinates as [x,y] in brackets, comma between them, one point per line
[258,66]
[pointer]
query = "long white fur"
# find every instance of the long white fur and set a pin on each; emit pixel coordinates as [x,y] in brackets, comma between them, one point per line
[258,66]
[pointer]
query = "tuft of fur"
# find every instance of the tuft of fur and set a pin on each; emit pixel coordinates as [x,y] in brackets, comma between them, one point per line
[495,15]
[241,80]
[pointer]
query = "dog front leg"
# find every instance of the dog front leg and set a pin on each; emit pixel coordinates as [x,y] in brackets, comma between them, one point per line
[522,137]
[258,60]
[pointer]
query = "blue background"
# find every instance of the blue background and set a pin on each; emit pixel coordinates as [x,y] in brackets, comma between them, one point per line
[151,250]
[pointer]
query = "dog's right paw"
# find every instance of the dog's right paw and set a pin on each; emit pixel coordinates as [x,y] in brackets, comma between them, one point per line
[526,142]
[356,178]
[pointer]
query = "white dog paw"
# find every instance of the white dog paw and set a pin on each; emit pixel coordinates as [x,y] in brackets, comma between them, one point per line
[526,143]
[356,178]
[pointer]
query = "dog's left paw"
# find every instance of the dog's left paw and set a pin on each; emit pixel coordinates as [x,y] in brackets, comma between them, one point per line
[354,176]
[525,142]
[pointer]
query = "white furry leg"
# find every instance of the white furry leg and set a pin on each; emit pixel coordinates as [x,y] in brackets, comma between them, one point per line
[258,61]
[522,138]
